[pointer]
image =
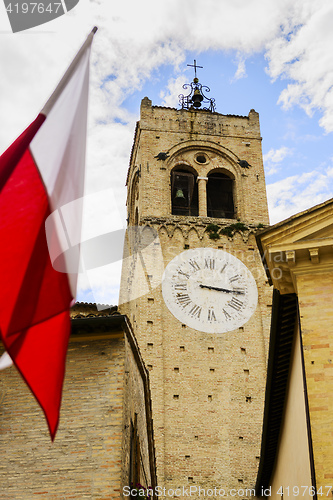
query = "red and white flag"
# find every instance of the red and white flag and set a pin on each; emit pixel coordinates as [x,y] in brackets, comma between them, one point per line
[42,173]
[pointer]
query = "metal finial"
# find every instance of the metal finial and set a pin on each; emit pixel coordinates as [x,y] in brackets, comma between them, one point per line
[195,66]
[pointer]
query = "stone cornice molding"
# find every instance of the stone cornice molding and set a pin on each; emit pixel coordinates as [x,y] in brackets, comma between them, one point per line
[301,245]
[199,225]
[286,265]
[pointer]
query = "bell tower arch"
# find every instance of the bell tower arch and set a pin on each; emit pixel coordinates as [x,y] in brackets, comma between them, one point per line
[184,191]
[196,178]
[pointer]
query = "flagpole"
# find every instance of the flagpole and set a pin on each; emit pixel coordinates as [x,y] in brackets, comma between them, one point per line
[63,82]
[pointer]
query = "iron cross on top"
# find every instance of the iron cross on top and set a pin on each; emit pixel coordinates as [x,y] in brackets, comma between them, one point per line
[195,67]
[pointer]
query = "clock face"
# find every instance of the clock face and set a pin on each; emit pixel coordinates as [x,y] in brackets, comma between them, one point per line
[209,290]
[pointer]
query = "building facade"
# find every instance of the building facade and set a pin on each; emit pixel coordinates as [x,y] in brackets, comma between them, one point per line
[105,439]
[297,456]
[195,291]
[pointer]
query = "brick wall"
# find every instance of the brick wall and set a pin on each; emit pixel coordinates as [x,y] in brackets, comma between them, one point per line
[135,413]
[207,389]
[105,385]
[225,139]
[84,460]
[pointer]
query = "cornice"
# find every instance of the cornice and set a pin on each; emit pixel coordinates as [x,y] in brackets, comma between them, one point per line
[198,224]
[300,245]
[285,262]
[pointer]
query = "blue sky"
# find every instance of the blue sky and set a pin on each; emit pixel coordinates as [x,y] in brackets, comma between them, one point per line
[270,55]
[294,144]
[293,141]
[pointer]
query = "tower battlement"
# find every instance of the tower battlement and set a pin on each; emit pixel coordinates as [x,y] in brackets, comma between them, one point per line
[198,121]
[197,295]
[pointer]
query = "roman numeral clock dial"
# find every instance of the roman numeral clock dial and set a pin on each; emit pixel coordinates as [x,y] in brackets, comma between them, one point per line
[209,290]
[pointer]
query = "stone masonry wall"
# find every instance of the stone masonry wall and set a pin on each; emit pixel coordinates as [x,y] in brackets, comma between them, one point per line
[207,389]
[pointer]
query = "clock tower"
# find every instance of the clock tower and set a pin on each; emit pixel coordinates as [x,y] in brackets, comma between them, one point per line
[194,289]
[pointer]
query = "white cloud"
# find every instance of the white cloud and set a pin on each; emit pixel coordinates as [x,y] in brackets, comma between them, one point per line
[135,38]
[101,285]
[171,93]
[299,192]
[302,54]
[241,68]
[274,158]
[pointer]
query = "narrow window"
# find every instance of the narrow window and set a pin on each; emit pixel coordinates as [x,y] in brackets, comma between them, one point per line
[135,455]
[220,202]
[132,209]
[184,193]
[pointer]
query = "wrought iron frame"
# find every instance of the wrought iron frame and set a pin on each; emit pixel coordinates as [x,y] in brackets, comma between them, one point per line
[186,101]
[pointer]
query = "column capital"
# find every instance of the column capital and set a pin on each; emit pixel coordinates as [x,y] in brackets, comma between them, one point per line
[202,178]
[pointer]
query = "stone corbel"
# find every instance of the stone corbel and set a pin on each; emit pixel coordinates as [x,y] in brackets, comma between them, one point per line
[291,257]
[314,255]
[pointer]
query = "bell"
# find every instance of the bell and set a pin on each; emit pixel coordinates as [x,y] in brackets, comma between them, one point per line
[180,194]
[197,98]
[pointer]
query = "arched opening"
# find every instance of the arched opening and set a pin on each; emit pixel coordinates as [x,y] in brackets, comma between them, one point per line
[220,200]
[184,192]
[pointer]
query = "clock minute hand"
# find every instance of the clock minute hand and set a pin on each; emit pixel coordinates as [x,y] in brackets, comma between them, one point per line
[221,289]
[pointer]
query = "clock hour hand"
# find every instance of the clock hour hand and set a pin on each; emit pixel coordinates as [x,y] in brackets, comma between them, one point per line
[238,292]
